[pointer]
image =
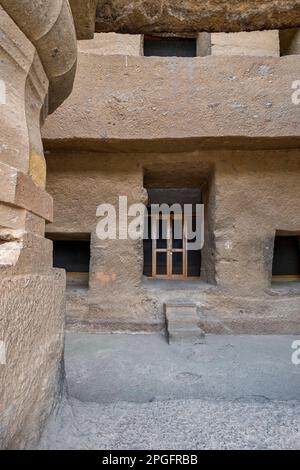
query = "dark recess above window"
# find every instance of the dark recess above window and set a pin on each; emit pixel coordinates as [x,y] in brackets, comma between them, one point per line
[170,46]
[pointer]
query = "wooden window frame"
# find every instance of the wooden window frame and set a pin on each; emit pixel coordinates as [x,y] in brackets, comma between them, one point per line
[169,250]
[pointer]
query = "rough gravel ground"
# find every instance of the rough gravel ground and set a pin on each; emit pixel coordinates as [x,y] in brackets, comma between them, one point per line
[137,392]
[176,424]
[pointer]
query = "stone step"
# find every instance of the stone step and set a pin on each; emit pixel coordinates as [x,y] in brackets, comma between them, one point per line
[183,323]
[185,336]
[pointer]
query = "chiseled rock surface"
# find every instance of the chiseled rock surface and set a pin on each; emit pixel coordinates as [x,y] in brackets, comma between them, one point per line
[113,44]
[245,213]
[32,328]
[254,43]
[224,98]
[84,14]
[136,16]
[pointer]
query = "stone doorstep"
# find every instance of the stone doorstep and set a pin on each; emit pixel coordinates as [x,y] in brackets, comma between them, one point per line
[180,304]
[181,311]
[187,337]
[182,314]
[185,327]
[186,310]
[183,323]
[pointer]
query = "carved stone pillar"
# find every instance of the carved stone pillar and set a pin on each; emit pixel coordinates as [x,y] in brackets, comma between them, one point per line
[32,293]
[24,203]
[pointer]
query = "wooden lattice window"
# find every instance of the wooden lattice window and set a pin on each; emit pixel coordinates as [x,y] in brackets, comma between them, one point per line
[168,257]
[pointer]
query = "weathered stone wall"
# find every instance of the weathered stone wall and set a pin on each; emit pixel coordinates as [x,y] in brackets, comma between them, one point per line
[163,124]
[252,194]
[113,44]
[136,16]
[84,13]
[256,43]
[32,327]
[168,99]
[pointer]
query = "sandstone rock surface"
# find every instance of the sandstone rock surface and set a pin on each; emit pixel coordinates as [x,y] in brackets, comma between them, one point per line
[32,329]
[144,16]
[178,98]
[49,26]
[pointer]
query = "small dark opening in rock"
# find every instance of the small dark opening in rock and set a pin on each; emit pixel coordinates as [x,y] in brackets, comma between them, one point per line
[170,46]
[286,260]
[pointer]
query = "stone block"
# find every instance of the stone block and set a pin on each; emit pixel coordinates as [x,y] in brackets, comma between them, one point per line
[255,43]
[113,44]
[226,99]
[20,190]
[84,14]
[12,218]
[33,198]
[8,183]
[180,16]
[32,329]
[34,224]
[183,323]
[203,44]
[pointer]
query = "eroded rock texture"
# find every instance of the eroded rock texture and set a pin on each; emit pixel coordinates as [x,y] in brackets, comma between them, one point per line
[84,17]
[37,50]
[198,100]
[32,329]
[50,28]
[218,123]
[144,16]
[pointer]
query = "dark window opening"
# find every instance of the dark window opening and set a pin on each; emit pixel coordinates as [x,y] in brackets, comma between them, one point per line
[74,257]
[170,258]
[286,260]
[289,41]
[170,46]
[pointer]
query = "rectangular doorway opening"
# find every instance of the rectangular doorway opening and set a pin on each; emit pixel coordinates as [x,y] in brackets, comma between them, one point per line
[286,258]
[168,257]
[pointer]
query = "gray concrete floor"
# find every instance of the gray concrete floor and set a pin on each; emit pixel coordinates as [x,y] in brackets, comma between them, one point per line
[137,392]
[142,368]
